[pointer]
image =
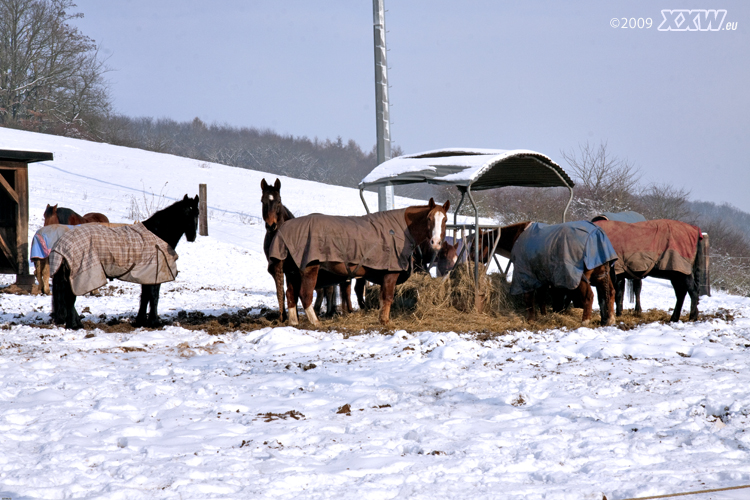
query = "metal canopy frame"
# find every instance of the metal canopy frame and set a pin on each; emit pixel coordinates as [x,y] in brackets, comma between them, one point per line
[503,168]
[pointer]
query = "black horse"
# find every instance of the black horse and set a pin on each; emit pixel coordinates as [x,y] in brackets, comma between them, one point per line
[169,224]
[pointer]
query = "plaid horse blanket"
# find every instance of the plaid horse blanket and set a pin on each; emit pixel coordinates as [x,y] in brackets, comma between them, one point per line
[557,255]
[96,252]
[379,240]
[667,245]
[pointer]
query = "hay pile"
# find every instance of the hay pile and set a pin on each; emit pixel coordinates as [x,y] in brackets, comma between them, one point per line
[423,303]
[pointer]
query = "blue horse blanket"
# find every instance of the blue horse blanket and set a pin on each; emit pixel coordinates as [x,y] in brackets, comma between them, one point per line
[557,255]
[46,238]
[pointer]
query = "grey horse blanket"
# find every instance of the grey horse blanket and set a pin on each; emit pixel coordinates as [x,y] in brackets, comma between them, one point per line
[667,245]
[379,241]
[96,252]
[557,255]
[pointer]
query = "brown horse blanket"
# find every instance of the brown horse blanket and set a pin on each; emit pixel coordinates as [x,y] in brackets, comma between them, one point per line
[667,245]
[557,255]
[379,241]
[95,252]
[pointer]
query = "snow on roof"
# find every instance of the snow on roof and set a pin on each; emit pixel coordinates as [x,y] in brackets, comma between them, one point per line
[478,168]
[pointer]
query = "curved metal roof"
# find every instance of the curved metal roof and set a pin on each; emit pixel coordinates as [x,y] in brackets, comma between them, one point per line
[475,168]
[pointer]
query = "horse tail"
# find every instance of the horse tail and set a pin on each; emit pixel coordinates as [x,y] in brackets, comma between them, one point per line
[697,263]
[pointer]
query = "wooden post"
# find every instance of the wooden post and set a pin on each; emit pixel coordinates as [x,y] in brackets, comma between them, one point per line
[203,207]
[704,274]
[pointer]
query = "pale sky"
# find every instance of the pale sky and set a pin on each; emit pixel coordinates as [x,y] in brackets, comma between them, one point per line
[545,76]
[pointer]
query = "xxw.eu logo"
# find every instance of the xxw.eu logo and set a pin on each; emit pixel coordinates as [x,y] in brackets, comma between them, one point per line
[692,20]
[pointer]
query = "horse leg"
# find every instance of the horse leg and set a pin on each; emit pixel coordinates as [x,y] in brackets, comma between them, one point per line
[681,287]
[345,290]
[541,298]
[307,286]
[637,285]
[387,291]
[359,289]
[605,291]
[41,273]
[293,284]
[318,300]
[278,278]
[530,309]
[330,295]
[619,294]
[587,298]
[153,302]
[140,319]
[64,300]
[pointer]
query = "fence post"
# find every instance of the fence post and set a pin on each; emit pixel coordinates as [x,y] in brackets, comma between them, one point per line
[203,207]
[704,274]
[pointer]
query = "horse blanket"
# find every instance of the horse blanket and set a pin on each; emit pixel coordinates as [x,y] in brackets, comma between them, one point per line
[667,245]
[379,240]
[46,238]
[557,255]
[95,252]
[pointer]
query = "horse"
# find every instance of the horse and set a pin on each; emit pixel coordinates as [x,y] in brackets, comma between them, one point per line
[62,215]
[377,247]
[665,249]
[447,256]
[84,249]
[275,213]
[540,253]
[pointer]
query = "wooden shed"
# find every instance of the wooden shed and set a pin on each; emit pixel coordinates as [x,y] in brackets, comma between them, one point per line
[14,212]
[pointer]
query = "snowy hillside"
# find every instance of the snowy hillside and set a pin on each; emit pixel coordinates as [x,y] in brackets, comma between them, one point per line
[285,413]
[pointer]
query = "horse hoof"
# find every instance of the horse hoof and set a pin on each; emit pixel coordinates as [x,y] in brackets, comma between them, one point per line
[586,322]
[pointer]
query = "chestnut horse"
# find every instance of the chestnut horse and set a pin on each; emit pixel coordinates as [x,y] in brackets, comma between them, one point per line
[397,232]
[62,215]
[275,213]
[599,276]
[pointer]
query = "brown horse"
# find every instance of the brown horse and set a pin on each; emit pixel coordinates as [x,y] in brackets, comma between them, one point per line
[275,213]
[377,247]
[666,249]
[62,215]
[542,278]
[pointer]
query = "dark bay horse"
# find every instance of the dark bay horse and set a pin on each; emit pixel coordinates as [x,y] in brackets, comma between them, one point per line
[665,249]
[543,274]
[62,215]
[377,247]
[275,213]
[168,224]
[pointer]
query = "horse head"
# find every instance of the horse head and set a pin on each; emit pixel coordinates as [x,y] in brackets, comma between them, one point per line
[50,215]
[447,258]
[436,219]
[271,201]
[191,212]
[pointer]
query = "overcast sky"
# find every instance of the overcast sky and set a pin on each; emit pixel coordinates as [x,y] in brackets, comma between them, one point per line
[545,76]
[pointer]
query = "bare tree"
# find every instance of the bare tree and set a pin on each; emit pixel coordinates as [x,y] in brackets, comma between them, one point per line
[606,183]
[49,71]
[662,201]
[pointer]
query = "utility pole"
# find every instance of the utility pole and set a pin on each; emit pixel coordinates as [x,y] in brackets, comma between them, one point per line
[385,193]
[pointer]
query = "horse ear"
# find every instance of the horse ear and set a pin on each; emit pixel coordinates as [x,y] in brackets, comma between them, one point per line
[263,184]
[446,205]
[277,184]
[431,203]
[185,198]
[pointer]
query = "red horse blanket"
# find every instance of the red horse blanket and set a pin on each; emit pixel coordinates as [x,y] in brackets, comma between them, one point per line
[378,241]
[95,252]
[665,245]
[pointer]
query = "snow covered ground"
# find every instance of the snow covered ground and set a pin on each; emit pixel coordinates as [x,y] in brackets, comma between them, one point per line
[291,413]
